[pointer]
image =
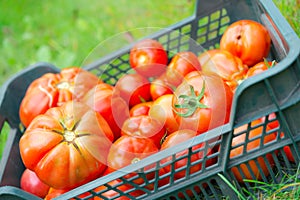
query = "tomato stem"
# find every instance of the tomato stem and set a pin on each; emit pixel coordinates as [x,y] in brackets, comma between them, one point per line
[191,103]
[267,63]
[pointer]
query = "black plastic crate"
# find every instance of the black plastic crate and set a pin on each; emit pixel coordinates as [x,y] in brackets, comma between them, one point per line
[275,91]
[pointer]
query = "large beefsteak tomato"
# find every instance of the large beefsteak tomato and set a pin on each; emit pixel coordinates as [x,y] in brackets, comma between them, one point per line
[67,146]
[51,90]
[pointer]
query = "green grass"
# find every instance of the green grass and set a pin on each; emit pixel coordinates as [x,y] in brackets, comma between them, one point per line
[64,32]
[287,189]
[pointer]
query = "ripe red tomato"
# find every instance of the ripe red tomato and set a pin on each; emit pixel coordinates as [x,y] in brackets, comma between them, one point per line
[128,150]
[67,146]
[140,109]
[32,184]
[229,67]
[202,102]
[162,110]
[259,68]
[57,192]
[120,186]
[112,107]
[176,138]
[248,40]
[160,86]
[133,88]
[51,90]
[180,65]
[148,57]
[144,126]
[254,135]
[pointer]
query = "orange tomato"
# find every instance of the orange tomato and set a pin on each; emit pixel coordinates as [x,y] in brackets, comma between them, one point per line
[248,40]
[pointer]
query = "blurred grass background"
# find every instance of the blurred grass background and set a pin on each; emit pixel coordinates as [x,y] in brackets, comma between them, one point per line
[64,32]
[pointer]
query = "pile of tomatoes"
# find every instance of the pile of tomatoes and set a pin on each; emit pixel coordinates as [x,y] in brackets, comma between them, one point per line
[79,128]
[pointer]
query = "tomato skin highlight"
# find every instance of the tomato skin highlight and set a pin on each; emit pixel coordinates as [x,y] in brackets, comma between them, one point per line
[67,146]
[148,57]
[140,109]
[248,40]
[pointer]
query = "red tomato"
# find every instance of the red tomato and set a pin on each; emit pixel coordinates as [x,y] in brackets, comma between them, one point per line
[238,151]
[202,102]
[51,90]
[176,138]
[162,110]
[272,121]
[259,68]
[248,40]
[144,126]
[57,192]
[119,186]
[140,109]
[288,153]
[133,88]
[112,107]
[67,146]
[229,67]
[148,57]
[287,150]
[32,184]
[160,86]
[181,64]
[128,150]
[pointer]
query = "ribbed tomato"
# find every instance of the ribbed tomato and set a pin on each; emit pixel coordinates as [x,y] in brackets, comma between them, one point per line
[51,90]
[67,146]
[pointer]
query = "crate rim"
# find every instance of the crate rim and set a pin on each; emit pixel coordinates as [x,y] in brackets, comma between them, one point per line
[289,35]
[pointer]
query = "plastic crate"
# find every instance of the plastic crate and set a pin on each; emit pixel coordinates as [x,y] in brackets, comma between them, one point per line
[275,91]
